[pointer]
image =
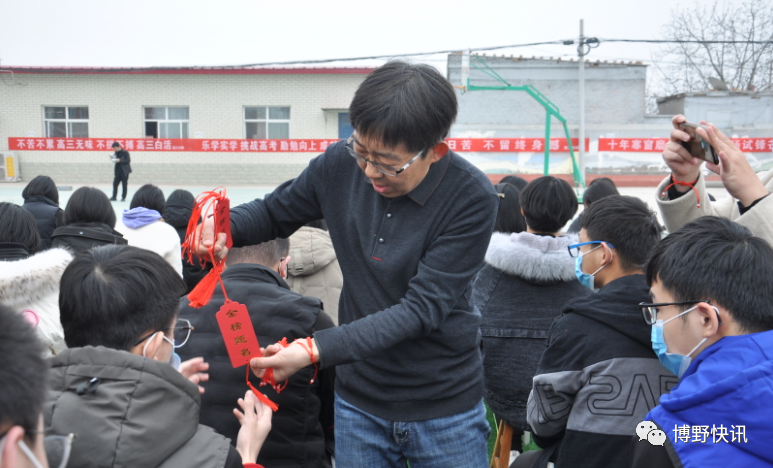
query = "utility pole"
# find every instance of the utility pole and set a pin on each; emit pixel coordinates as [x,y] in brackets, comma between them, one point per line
[581,53]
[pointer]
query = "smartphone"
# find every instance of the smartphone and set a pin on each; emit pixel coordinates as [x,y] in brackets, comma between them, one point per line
[703,150]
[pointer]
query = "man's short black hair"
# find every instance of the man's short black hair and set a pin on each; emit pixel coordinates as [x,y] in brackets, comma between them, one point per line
[266,253]
[23,373]
[519,182]
[111,295]
[548,203]
[18,226]
[42,186]
[406,104]
[115,145]
[628,224]
[716,259]
[509,217]
[149,196]
[598,189]
[89,205]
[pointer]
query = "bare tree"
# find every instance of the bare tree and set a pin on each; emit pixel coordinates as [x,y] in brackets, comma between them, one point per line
[742,65]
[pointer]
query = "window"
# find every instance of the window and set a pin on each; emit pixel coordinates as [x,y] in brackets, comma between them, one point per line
[345,129]
[266,122]
[166,122]
[67,122]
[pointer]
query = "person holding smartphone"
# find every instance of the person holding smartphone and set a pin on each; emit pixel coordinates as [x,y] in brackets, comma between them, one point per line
[682,196]
[123,168]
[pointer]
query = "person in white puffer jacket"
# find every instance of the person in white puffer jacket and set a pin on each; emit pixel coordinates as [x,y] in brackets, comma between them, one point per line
[143,226]
[29,278]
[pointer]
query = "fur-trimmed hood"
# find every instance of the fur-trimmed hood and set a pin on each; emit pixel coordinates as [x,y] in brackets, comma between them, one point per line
[532,257]
[31,279]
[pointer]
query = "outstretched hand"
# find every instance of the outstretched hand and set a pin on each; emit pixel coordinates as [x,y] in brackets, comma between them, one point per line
[256,424]
[195,371]
[205,237]
[284,361]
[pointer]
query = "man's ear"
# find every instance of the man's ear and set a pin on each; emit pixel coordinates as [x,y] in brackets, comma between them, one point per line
[153,344]
[609,254]
[10,453]
[283,266]
[709,319]
[438,151]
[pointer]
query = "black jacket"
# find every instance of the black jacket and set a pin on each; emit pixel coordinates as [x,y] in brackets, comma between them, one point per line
[598,377]
[177,213]
[48,216]
[80,237]
[124,165]
[523,287]
[298,429]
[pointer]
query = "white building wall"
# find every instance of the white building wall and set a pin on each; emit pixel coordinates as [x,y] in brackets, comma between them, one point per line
[215,103]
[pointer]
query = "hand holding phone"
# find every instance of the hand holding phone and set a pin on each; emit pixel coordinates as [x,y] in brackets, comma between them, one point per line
[697,146]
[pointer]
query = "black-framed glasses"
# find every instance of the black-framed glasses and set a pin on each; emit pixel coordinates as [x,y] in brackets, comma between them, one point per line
[650,310]
[182,331]
[574,249]
[384,169]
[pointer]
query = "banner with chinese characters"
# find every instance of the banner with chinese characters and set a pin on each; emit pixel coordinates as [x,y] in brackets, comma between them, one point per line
[501,145]
[657,145]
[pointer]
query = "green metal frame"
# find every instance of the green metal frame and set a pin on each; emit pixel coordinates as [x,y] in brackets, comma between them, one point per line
[551,110]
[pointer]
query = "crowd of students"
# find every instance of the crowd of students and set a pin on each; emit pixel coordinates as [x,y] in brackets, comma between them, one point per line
[410,291]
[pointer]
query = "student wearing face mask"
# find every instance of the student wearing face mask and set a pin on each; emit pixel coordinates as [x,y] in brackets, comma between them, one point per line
[302,429]
[114,386]
[598,376]
[712,324]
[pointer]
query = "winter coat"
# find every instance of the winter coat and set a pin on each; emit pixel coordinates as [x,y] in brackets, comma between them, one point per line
[177,214]
[314,270]
[597,378]
[31,283]
[48,216]
[129,411]
[676,213]
[522,288]
[80,237]
[157,237]
[727,389]
[297,437]
[123,166]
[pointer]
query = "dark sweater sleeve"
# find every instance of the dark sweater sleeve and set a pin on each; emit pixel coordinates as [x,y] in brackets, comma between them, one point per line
[444,273]
[282,212]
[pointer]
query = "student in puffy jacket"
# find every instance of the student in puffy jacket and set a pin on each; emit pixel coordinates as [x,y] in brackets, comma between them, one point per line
[142,226]
[712,325]
[117,386]
[41,198]
[89,221]
[29,276]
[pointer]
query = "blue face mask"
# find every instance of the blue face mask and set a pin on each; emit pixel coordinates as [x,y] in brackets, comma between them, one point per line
[589,281]
[676,363]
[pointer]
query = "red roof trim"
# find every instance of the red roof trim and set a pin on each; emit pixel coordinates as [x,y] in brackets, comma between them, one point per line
[186,71]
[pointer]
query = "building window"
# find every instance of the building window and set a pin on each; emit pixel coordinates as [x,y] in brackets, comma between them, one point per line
[261,123]
[345,129]
[67,122]
[166,122]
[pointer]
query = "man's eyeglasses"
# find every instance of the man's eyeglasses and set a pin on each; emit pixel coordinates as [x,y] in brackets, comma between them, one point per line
[650,311]
[574,249]
[57,447]
[182,331]
[386,170]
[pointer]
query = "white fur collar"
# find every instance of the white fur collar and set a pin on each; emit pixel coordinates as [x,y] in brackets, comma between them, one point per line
[532,257]
[31,279]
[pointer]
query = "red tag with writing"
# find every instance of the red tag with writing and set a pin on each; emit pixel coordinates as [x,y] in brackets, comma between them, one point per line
[237,331]
[223,220]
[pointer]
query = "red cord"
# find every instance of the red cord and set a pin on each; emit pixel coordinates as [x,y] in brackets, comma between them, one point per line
[683,184]
[268,376]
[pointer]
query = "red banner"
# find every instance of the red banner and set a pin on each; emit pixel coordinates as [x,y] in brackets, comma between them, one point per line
[657,145]
[502,145]
[512,145]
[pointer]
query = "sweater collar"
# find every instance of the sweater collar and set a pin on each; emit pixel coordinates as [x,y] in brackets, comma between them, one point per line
[431,181]
[255,272]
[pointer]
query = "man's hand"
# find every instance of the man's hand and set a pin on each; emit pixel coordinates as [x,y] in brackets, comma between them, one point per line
[684,167]
[737,174]
[256,424]
[205,235]
[284,361]
[195,371]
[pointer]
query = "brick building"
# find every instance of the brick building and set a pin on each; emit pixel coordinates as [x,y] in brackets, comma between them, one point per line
[174,104]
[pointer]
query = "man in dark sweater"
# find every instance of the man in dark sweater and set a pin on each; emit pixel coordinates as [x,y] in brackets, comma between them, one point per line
[410,221]
[598,376]
[123,168]
[303,426]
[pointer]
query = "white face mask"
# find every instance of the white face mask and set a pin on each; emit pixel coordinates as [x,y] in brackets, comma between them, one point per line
[26,451]
[174,358]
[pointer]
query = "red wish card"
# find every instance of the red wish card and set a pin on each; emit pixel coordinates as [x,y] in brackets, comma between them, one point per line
[223,219]
[238,334]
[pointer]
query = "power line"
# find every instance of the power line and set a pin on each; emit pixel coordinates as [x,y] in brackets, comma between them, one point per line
[670,41]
